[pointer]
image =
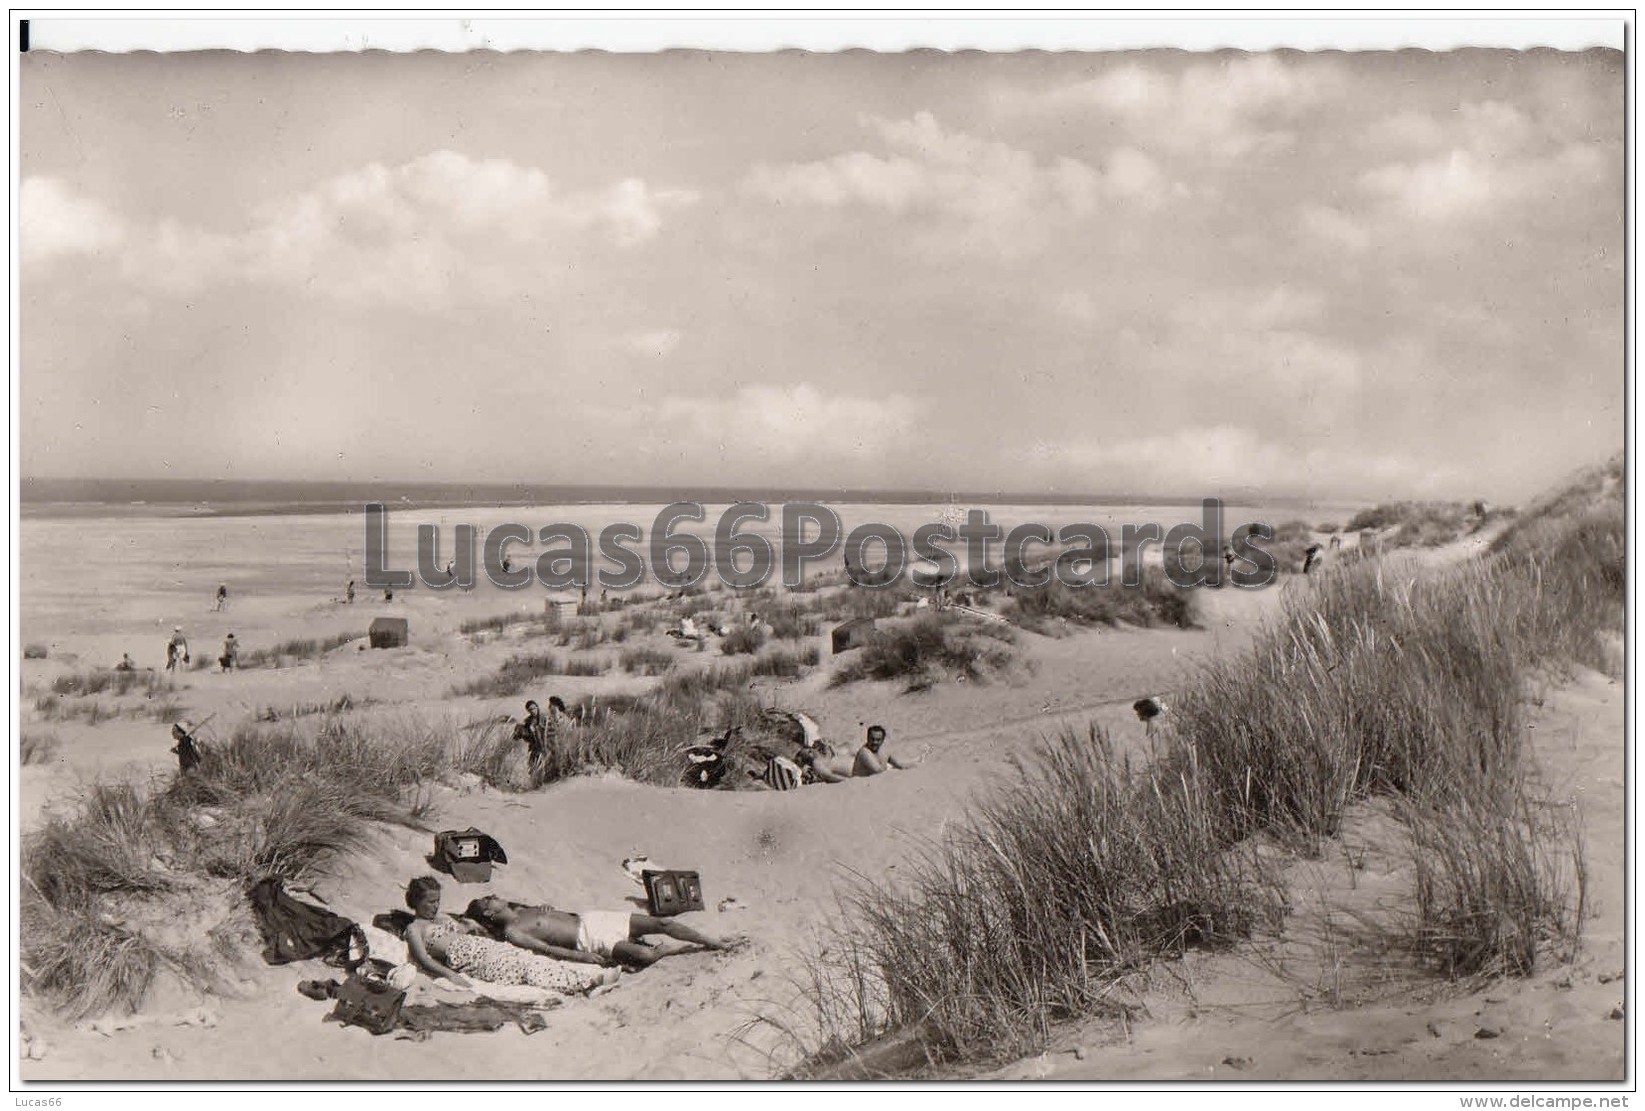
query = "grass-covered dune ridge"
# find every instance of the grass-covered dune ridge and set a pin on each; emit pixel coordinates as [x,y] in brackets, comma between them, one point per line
[1402,678]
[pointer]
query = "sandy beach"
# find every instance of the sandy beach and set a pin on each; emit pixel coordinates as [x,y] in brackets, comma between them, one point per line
[775,862]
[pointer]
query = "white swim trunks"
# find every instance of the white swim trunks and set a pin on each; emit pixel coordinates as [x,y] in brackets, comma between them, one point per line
[598,931]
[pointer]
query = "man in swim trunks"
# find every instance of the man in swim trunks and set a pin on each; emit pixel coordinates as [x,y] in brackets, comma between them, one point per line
[869,759]
[600,937]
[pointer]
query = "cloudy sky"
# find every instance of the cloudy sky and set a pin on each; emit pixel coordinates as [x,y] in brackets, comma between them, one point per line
[1337,275]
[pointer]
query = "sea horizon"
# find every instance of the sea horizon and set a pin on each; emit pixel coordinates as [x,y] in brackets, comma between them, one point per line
[45,498]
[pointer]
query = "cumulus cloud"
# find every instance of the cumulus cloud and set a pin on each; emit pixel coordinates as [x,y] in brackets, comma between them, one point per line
[1481,157]
[54,221]
[1335,228]
[406,232]
[1208,457]
[1225,105]
[658,342]
[1271,338]
[768,424]
[981,182]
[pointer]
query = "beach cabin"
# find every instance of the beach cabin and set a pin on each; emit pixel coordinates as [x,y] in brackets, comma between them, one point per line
[853,634]
[390,632]
[559,609]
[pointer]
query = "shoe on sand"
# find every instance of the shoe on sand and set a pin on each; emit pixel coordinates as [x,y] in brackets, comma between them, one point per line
[635,866]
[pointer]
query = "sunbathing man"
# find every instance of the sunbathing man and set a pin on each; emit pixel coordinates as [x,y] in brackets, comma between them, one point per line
[870,762]
[593,937]
[815,767]
[446,948]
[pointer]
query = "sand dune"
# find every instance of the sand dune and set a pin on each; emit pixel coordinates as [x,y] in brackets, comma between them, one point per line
[783,857]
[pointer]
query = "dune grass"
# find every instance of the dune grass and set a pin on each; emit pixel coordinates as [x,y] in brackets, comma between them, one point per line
[268,801]
[1156,602]
[645,661]
[1080,870]
[285,653]
[928,648]
[744,640]
[1082,867]
[37,748]
[514,675]
[1410,524]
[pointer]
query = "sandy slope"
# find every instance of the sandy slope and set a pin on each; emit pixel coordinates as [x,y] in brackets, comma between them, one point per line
[782,857]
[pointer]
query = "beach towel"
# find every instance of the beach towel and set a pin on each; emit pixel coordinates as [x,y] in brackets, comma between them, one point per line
[598,931]
[781,774]
[418,1021]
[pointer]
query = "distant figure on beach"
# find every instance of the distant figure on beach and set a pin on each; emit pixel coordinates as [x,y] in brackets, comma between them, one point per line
[533,731]
[348,595]
[230,659]
[186,749]
[1336,541]
[1312,558]
[388,594]
[601,937]
[222,595]
[1228,558]
[176,649]
[508,565]
[870,762]
[125,663]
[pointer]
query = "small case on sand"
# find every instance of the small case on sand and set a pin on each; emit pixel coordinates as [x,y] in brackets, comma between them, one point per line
[670,893]
[467,854]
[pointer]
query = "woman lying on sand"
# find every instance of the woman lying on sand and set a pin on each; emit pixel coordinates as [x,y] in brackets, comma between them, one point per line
[446,948]
[594,937]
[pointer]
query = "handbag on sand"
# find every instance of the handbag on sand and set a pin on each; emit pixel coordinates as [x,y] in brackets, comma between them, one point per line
[368,1003]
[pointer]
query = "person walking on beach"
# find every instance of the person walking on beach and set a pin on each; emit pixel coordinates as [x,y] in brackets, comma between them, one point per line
[176,649]
[230,659]
[187,750]
[222,596]
[348,595]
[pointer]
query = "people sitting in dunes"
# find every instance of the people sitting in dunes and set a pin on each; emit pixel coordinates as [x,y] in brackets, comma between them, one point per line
[126,663]
[869,760]
[817,766]
[448,949]
[594,937]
